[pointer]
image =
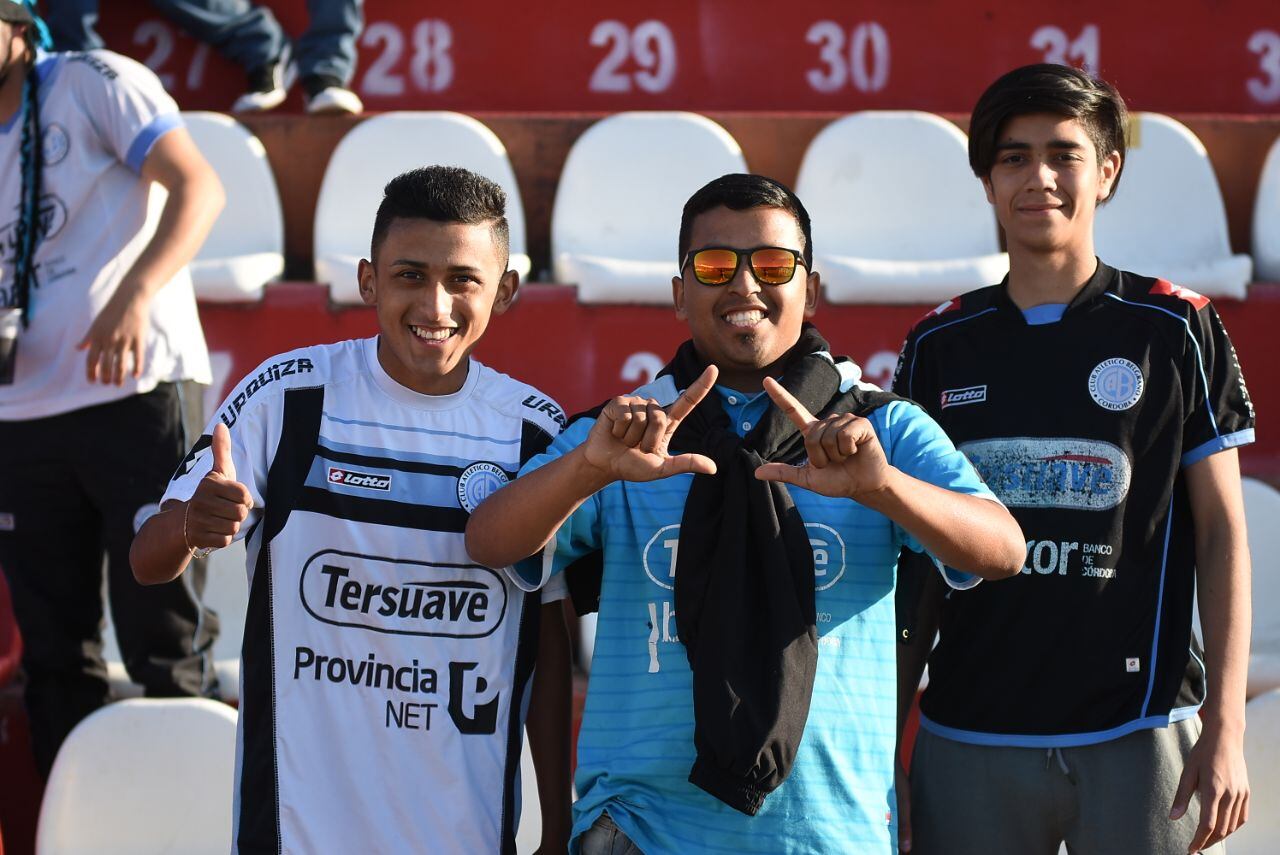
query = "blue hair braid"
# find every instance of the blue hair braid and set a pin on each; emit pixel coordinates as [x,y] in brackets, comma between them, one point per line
[43,40]
[32,158]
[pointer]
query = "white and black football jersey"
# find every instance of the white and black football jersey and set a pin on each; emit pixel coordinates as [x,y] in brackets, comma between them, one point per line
[384,673]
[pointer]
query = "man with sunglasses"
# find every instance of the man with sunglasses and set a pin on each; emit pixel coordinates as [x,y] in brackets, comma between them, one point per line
[727,535]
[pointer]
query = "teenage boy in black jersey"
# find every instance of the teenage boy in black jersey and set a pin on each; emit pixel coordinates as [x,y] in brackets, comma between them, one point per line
[1104,408]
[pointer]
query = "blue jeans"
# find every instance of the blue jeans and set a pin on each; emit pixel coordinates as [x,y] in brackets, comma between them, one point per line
[246,34]
[605,838]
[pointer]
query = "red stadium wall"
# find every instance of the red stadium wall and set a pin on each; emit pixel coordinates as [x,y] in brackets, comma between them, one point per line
[735,55]
[583,354]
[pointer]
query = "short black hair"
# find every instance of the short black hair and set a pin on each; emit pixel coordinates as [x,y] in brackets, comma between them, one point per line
[1046,88]
[738,192]
[445,194]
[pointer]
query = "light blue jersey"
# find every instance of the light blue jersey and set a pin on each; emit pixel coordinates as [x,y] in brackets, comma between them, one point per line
[636,745]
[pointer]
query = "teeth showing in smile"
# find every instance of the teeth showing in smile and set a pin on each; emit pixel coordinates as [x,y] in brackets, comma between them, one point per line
[747,318]
[432,334]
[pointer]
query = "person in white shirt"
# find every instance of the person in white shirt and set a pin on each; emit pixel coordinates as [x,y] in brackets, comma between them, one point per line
[98,334]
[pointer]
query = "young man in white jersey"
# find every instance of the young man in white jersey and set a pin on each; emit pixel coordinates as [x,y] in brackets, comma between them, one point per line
[99,337]
[745,551]
[385,673]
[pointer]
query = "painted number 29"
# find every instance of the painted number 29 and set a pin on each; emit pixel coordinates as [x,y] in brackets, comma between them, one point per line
[650,48]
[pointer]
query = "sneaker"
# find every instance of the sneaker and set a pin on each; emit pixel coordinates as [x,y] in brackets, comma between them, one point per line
[327,96]
[266,89]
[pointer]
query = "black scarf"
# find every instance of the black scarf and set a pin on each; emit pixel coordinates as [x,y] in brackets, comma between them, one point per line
[744,586]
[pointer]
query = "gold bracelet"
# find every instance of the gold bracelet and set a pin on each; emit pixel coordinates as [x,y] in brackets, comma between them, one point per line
[202,552]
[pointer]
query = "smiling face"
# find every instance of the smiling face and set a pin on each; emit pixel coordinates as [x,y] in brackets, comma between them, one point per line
[434,286]
[743,327]
[1047,182]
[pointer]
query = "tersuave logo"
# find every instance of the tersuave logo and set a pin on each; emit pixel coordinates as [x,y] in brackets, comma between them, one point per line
[403,597]
[662,550]
[1052,472]
[365,480]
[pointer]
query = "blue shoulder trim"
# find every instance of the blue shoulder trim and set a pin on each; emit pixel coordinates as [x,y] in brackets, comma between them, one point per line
[1218,443]
[147,138]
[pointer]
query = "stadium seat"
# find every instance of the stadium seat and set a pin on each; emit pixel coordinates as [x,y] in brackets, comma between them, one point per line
[1262,513]
[1266,219]
[379,149]
[1261,834]
[897,215]
[143,776]
[619,201]
[1167,218]
[529,829]
[226,591]
[245,249]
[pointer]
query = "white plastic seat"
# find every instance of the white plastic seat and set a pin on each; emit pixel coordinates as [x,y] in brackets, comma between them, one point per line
[1261,834]
[140,777]
[1262,517]
[1167,217]
[897,215]
[618,204]
[1266,219]
[245,248]
[379,149]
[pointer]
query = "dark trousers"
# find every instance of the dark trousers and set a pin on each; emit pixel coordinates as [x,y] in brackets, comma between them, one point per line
[73,488]
[246,33]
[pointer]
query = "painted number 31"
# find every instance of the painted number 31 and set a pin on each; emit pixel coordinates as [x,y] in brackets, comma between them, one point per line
[1060,49]
[1266,89]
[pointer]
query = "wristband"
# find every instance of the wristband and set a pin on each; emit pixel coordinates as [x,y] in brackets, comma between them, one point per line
[202,552]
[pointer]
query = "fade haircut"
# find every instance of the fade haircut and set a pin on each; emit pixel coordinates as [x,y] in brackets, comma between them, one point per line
[444,194]
[1045,88]
[738,192]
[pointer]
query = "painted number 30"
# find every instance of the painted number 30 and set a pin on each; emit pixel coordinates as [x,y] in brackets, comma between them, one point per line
[860,57]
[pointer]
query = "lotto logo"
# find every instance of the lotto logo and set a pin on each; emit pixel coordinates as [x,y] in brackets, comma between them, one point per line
[967,395]
[365,480]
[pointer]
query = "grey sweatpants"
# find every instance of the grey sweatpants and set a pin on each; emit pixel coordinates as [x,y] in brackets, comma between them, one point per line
[1112,798]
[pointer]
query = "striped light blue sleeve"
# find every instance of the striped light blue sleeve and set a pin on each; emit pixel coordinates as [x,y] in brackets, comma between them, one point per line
[579,535]
[918,447]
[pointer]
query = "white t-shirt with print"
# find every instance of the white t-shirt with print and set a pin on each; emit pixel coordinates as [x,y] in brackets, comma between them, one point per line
[100,114]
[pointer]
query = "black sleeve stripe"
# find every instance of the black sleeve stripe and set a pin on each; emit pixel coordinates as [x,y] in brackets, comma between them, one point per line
[534,440]
[299,436]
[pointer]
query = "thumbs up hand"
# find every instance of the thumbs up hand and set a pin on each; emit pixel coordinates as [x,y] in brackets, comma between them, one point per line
[220,504]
